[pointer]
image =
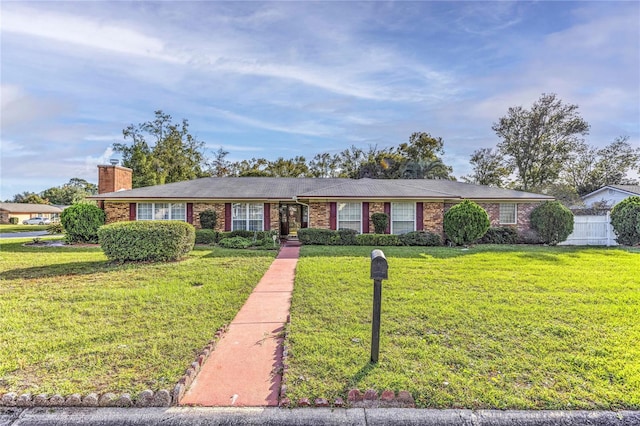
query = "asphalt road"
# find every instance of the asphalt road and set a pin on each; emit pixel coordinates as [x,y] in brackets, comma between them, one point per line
[30,234]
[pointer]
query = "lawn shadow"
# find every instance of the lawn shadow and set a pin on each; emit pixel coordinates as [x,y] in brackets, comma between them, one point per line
[59,269]
[360,375]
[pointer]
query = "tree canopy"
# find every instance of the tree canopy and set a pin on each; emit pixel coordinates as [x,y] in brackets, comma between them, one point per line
[537,142]
[161,151]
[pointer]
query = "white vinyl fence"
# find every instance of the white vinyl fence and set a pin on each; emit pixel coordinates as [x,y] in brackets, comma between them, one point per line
[591,231]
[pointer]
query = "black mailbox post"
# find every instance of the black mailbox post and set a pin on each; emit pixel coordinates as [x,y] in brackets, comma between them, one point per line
[379,272]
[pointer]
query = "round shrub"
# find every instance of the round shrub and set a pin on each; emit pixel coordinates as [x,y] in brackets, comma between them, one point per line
[208,219]
[206,236]
[625,219]
[81,222]
[421,238]
[235,242]
[14,220]
[552,221]
[380,222]
[465,222]
[149,241]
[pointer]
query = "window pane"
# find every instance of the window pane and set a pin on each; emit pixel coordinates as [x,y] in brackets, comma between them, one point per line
[255,225]
[178,211]
[402,217]
[238,225]
[255,211]
[508,213]
[239,211]
[145,211]
[349,216]
[161,211]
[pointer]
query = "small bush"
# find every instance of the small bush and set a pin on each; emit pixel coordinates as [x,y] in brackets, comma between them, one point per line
[378,240]
[466,222]
[154,241]
[81,222]
[421,238]
[500,235]
[552,221]
[55,228]
[380,222]
[208,219]
[347,237]
[315,236]
[235,242]
[206,236]
[14,220]
[625,219]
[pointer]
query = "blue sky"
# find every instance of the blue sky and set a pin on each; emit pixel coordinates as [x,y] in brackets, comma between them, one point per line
[299,78]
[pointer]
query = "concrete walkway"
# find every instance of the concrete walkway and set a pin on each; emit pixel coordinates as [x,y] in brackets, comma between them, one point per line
[245,368]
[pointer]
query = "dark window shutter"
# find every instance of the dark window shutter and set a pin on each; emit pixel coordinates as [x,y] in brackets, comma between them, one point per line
[190,213]
[333,215]
[387,211]
[267,216]
[419,217]
[227,217]
[365,218]
[132,211]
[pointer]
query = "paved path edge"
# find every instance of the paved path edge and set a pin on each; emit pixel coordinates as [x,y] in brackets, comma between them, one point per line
[178,416]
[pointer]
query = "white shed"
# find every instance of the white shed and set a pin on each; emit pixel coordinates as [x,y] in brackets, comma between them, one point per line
[611,194]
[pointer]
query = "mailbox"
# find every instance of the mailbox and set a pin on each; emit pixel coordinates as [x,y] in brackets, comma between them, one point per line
[379,266]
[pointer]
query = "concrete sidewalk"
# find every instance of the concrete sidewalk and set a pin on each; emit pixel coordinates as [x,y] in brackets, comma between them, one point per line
[179,416]
[245,368]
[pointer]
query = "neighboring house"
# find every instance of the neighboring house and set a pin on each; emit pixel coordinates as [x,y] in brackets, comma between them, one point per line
[611,194]
[288,204]
[24,211]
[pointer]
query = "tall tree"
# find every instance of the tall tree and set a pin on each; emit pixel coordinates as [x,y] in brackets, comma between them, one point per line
[295,167]
[175,155]
[28,198]
[324,165]
[219,166]
[489,168]
[76,190]
[590,168]
[537,142]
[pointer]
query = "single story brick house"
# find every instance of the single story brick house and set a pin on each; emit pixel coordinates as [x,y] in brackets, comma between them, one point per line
[288,204]
[24,211]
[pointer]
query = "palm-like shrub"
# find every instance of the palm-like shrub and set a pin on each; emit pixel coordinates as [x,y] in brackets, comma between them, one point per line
[552,221]
[466,222]
[81,222]
[625,219]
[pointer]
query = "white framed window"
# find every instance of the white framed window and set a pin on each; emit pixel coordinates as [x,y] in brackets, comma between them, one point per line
[161,211]
[403,218]
[508,213]
[247,216]
[350,216]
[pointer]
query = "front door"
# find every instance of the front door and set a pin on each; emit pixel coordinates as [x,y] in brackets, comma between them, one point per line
[292,218]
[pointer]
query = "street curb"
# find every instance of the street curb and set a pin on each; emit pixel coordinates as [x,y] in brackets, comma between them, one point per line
[180,416]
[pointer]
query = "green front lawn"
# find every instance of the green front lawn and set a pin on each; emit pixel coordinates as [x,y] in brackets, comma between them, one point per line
[490,327]
[12,229]
[70,321]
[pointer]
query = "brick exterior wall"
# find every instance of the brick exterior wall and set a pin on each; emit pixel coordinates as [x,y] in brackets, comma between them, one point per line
[275,217]
[433,217]
[319,215]
[116,212]
[493,210]
[216,207]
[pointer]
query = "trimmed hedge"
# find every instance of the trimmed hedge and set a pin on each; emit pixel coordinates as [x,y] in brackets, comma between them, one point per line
[235,242]
[552,221]
[14,220]
[500,235]
[206,236]
[81,223]
[315,236]
[421,238]
[151,241]
[625,219]
[466,222]
[380,222]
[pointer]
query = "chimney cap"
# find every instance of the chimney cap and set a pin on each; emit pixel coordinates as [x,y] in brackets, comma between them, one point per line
[114,161]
